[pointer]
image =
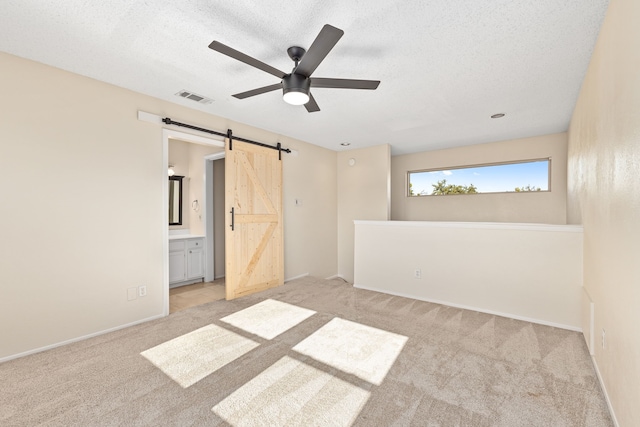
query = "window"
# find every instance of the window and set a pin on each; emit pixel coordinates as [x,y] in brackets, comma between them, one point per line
[512,177]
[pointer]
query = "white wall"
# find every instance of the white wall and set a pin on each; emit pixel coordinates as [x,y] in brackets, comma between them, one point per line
[187,160]
[534,207]
[83,215]
[525,271]
[363,193]
[196,188]
[603,181]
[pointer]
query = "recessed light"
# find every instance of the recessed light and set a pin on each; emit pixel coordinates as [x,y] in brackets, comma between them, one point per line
[497,116]
[345,144]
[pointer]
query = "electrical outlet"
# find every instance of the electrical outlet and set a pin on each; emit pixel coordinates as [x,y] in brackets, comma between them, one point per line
[142,291]
[132,294]
[603,340]
[417,274]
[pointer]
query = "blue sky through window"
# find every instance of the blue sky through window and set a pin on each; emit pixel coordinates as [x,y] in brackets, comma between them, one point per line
[487,179]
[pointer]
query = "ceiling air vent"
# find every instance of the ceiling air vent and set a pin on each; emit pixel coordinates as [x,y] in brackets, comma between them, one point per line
[194,97]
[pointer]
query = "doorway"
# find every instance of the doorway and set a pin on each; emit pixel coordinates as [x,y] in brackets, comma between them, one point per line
[253,197]
[212,288]
[196,157]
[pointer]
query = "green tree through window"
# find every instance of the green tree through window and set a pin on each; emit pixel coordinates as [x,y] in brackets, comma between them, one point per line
[442,188]
[509,177]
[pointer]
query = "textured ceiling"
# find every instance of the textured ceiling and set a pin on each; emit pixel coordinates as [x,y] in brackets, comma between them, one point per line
[445,65]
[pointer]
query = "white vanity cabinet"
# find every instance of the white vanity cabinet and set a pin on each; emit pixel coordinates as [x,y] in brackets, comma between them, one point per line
[186,260]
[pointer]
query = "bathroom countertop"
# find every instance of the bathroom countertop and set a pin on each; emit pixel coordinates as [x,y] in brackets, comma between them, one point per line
[185,236]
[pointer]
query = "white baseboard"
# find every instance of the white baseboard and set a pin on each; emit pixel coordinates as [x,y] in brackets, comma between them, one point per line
[84,337]
[466,307]
[296,277]
[335,276]
[604,391]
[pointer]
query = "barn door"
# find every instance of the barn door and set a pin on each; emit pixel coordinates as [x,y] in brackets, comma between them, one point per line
[253,236]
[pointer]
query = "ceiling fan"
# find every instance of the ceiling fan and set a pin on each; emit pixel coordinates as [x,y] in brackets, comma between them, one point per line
[296,86]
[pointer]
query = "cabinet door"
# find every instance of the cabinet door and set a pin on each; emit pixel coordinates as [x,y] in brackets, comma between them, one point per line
[195,263]
[177,267]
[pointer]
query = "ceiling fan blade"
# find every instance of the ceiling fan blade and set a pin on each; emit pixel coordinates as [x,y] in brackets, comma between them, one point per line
[226,50]
[258,91]
[311,106]
[319,49]
[344,83]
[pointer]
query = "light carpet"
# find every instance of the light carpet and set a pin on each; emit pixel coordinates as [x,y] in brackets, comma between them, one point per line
[268,318]
[293,393]
[432,366]
[363,351]
[191,357]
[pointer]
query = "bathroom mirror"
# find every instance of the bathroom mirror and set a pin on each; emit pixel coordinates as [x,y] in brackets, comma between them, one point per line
[175,200]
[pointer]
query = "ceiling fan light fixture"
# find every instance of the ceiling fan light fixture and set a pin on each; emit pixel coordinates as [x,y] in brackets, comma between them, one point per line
[295,89]
[295,98]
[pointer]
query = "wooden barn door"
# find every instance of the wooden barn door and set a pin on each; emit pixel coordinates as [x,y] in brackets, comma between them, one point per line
[253,236]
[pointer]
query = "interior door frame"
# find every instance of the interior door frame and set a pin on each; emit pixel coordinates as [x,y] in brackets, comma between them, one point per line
[195,139]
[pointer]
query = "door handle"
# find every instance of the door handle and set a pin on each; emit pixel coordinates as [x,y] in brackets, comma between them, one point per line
[232,219]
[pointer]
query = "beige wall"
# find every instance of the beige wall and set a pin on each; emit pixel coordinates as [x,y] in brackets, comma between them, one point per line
[543,207]
[531,272]
[309,175]
[75,237]
[603,179]
[363,193]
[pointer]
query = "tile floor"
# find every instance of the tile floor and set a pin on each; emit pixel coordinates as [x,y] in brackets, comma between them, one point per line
[199,293]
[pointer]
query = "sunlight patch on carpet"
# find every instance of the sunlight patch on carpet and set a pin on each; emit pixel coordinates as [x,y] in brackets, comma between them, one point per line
[191,357]
[363,351]
[293,393]
[269,318]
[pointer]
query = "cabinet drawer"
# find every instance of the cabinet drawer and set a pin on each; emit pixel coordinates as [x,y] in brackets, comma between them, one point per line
[195,243]
[176,246]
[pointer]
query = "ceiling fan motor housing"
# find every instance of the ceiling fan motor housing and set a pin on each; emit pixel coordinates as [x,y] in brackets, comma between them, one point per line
[295,83]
